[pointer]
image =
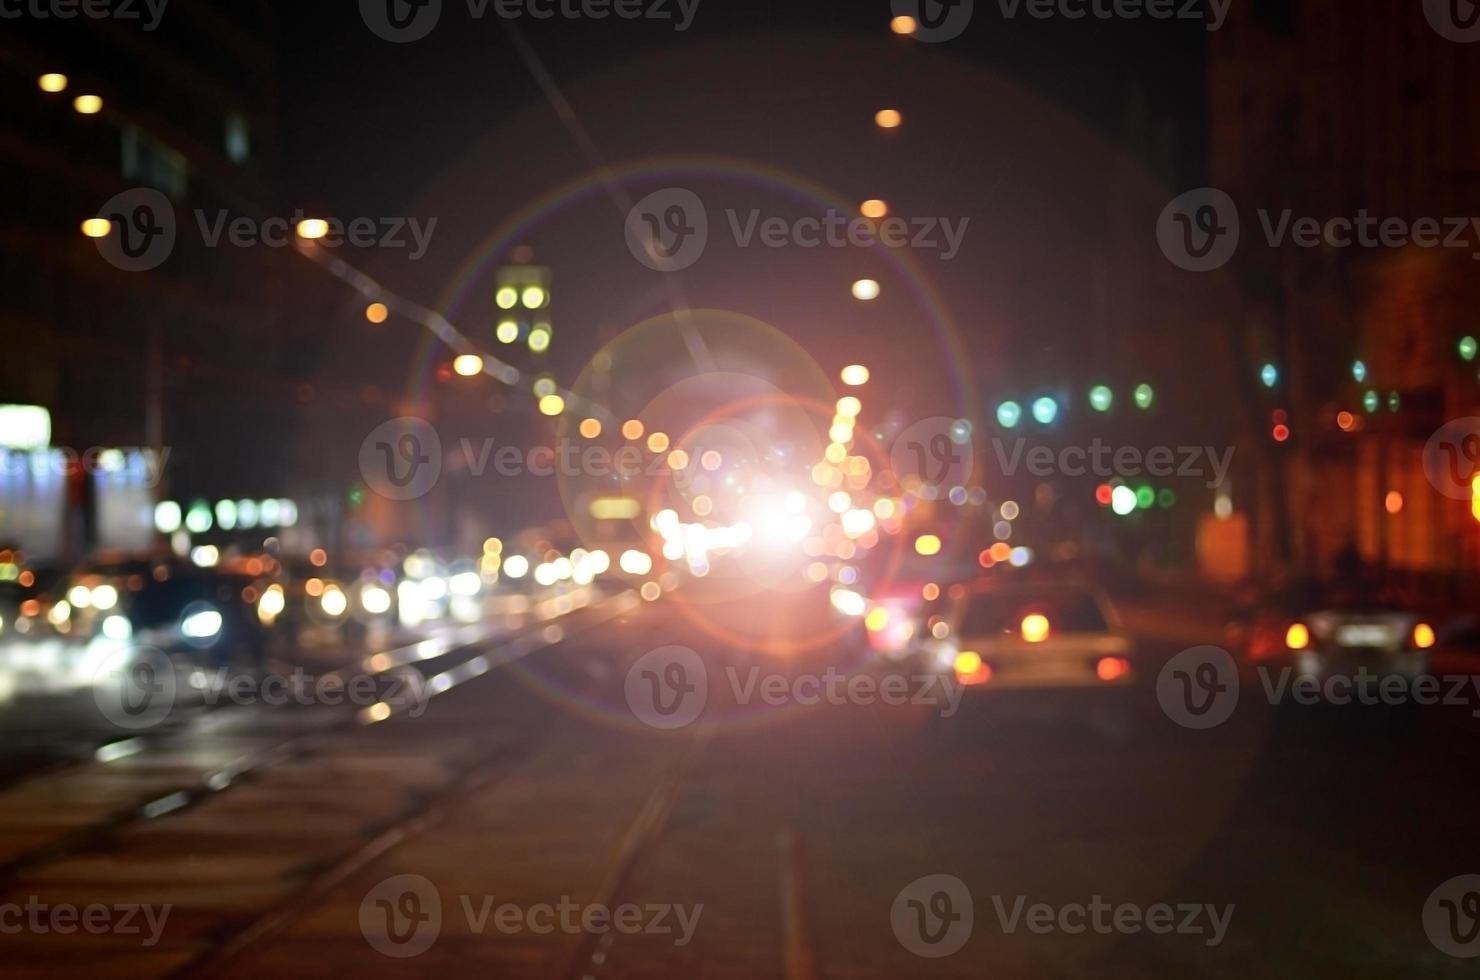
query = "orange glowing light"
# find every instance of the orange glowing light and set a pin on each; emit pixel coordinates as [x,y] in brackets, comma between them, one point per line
[1297,637]
[1112,669]
[873,208]
[931,592]
[632,429]
[377,313]
[318,557]
[590,428]
[888,118]
[1001,551]
[1423,636]
[904,25]
[1346,421]
[1393,502]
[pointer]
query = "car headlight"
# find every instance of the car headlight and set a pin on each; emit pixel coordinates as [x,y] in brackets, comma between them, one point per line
[118,628]
[375,600]
[202,624]
[104,597]
[333,601]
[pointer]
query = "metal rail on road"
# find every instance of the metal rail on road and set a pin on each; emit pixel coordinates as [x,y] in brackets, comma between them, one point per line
[189,794]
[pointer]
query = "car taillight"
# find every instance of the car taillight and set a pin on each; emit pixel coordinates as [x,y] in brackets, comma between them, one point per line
[1423,636]
[1297,637]
[1110,669]
[970,669]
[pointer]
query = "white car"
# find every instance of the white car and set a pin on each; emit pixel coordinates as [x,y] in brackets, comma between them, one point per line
[1033,636]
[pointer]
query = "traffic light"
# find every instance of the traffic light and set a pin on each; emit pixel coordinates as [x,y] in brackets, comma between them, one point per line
[522,298]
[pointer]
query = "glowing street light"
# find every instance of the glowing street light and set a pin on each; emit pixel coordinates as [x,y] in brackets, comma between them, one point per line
[873,208]
[1269,375]
[1045,410]
[97,227]
[903,25]
[539,339]
[855,375]
[1009,414]
[866,290]
[552,405]
[1100,398]
[377,313]
[53,82]
[312,229]
[468,365]
[88,105]
[888,118]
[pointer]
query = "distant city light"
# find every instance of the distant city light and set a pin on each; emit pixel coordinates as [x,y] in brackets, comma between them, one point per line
[1467,348]
[377,313]
[1281,433]
[927,545]
[657,442]
[855,375]
[590,428]
[53,82]
[1371,401]
[167,517]
[873,208]
[506,297]
[507,331]
[1045,410]
[1394,402]
[888,118]
[1359,372]
[632,429]
[468,365]
[97,227]
[903,25]
[312,229]
[534,297]
[1123,500]
[1346,421]
[552,405]
[1144,396]
[1100,398]
[866,290]
[849,406]
[1269,375]
[88,105]
[1009,414]
[1393,503]
[539,340]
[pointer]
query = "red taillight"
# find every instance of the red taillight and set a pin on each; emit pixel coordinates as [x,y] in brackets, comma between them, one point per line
[1110,669]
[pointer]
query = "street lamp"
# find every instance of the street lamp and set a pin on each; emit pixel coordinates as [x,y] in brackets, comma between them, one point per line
[53,82]
[468,365]
[88,105]
[866,290]
[888,118]
[97,227]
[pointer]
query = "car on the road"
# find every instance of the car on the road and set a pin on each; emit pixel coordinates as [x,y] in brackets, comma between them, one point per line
[1326,629]
[1042,636]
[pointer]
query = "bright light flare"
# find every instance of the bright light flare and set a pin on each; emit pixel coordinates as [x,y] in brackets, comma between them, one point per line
[312,229]
[1035,628]
[53,82]
[866,290]
[855,375]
